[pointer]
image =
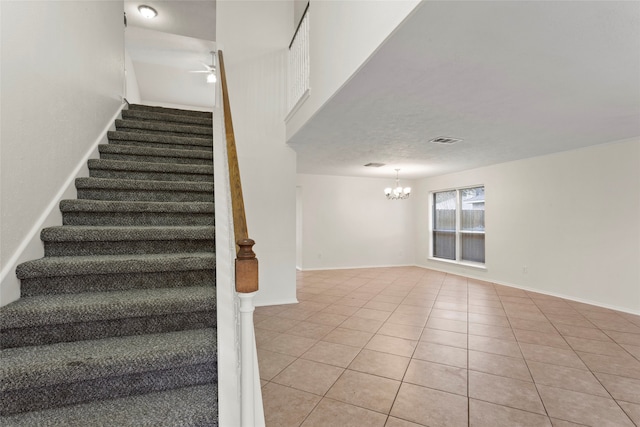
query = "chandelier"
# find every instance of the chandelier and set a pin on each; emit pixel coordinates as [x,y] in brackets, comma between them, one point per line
[398,192]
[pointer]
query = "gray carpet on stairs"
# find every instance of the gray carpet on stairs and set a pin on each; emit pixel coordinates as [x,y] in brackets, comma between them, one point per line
[116,325]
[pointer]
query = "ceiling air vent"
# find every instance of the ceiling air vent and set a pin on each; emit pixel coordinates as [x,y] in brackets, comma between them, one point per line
[374,165]
[445,140]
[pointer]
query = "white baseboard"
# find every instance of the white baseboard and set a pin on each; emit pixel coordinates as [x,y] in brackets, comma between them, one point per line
[31,246]
[358,267]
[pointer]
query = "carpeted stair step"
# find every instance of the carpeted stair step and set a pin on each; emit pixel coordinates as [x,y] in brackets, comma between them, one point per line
[165,110]
[61,374]
[121,169]
[144,191]
[195,406]
[163,128]
[167,117]
[154,155]
[51,319]
[159,141]
[104,212]
[78,240]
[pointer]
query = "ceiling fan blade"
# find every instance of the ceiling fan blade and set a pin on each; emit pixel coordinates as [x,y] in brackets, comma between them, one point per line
[200,71]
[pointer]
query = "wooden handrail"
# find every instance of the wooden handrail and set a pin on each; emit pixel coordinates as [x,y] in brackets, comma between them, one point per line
[295,33]
[246,261]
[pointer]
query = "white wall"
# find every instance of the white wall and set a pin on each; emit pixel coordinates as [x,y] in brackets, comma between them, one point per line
[132,91]
[573,219]
[254,38]
[348,222]
[343,34]
[62,81]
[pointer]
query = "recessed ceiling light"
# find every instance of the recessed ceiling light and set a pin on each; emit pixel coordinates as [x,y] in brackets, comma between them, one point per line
[374,165]
[445,140]
[147,11]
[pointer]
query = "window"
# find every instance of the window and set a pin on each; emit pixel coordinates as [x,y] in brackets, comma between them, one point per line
[458,225]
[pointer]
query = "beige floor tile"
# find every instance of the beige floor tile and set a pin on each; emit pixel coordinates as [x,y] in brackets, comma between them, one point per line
[310,330]
[454,306]
[447,325]
[329,319]
[360,324]
[501,332]
[488,319]
[393,345]
[505,391]
[382,364]
[624,337]
[332,354]
[454,339]
[344,310]
[567,378]
[632,410]
[295,313]
[437,376]
[551,355]
[623,366]
[263,336]
[570,319]
[401,331]
[484,309]
[271,310]
[634,350]
[376,304]
[485,414]
[365,390]
[444,354]
[397,422]
[430,407]
[505,366]
[582,408]
[582,332]
[309,376]
[331,412]
[407,308]
[596,346]
[562,423]
[621,388]
[411,319]
[284,406]
[328,299]
[278,324]
[352,302]
[289,344]
[271,364]
[348,337]
[533,325]
[368,313]
[617,324]
[494,345]
[449,314]
[550,339]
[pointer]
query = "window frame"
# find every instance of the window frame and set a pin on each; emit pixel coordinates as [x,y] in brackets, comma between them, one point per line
[458,232]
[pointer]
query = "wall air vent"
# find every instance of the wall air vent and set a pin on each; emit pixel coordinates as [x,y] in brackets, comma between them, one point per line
[445,140]
[374,165]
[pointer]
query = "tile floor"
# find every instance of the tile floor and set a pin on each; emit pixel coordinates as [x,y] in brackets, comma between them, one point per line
[407,346]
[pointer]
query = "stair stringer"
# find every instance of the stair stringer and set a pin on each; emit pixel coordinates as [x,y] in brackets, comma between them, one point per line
[31,247]
[228,320]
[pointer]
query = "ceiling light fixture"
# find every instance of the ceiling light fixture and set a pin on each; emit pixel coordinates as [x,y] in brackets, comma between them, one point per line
[211,78]
[147,11]
[397,193]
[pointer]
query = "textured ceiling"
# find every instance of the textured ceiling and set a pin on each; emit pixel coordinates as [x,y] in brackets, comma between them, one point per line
[512,79]
[195,19]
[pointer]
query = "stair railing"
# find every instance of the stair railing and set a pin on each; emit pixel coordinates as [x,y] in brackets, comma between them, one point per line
[298,69]
[246,265]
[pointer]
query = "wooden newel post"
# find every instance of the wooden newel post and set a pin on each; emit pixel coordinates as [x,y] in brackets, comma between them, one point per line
[246,267]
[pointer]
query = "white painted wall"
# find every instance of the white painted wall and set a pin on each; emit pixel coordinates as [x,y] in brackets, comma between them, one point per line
[348,222]
[343,34]
[132,90]
[573,219]
[62,81]
[254,38]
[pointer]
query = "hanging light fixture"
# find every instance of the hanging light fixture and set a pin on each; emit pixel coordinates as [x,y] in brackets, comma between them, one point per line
[147,11]
[398,192]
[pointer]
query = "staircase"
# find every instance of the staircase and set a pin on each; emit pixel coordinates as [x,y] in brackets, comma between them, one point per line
[117,323]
